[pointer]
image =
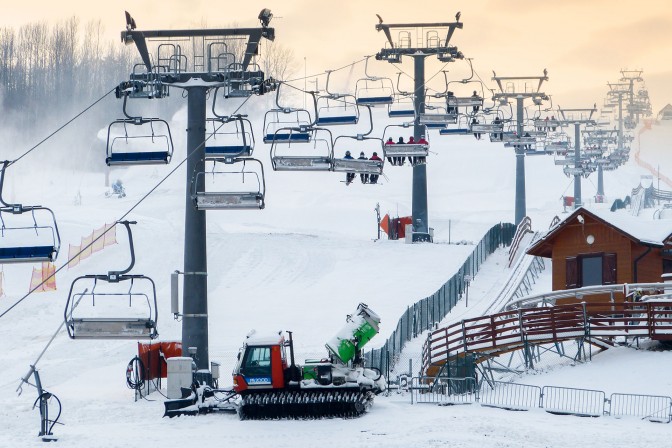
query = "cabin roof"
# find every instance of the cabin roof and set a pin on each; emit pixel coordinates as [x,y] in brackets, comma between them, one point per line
[646,232]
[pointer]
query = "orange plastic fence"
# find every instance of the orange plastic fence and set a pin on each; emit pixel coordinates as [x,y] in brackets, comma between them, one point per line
[43,278]
[91,244]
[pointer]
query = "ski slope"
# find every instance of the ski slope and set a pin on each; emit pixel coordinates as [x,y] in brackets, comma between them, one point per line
[302,264]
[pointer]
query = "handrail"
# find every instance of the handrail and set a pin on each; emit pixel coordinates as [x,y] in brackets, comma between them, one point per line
[510,330]
[524,227]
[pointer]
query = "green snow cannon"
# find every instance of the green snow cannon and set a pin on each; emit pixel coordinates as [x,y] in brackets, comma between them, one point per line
[359,329]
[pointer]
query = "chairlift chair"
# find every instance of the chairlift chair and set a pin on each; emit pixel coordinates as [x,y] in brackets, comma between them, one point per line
[120,313]
[247,194]
[138,141]
[403,149]
[436,114]
[403,106]
[315,156]
[373,90]
[34,241]
[336,108]
[286,124]
[462,127]
[357,144]
[230,137]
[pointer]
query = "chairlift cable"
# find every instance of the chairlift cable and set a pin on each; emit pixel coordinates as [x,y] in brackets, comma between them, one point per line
[63,126]
[128,212]
[325,72]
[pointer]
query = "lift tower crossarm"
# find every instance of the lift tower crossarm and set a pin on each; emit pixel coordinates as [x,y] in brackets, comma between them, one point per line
[502,94]
[140,39]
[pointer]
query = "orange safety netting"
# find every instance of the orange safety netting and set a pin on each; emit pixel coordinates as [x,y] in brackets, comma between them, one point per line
[95,242]
[44,278]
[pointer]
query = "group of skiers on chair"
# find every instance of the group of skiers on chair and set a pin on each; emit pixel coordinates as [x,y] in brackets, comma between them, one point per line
[399,161]
[366,178]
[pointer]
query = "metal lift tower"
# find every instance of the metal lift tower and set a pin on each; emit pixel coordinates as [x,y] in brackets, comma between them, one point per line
[196,61]
[618,91]
[419,40]
[509,90]
[577,117]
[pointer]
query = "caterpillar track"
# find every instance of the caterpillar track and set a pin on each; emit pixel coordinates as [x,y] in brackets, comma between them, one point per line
[304,404]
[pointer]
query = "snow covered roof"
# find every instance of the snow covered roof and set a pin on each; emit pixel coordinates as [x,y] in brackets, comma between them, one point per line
[650,232]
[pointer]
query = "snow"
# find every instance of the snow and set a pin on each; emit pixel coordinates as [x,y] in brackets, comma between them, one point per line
[302,264]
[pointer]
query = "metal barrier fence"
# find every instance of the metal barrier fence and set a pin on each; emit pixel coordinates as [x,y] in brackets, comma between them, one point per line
[510,396]
[444,390]
[654,408]
[565,400]
[556,400]
[423,315]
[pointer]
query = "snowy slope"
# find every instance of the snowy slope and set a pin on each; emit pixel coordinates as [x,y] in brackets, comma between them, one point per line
[301,264]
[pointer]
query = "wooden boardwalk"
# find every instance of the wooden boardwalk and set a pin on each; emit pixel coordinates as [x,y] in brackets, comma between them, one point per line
[497,334]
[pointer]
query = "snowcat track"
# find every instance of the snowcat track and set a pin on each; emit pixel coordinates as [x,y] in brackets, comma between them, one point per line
[304,404]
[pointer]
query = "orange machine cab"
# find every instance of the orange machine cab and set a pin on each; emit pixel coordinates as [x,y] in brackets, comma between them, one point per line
[261,365]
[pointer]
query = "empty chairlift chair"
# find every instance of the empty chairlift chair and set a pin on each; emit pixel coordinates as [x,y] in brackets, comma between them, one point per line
[316,155]
[139,141]
[436,114]
[229,137]
[336,108]
[286,124]
[374,90]
[28,234]
[230,189]
[116,305]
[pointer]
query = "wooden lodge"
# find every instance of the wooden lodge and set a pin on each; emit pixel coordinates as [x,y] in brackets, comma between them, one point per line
[601,248]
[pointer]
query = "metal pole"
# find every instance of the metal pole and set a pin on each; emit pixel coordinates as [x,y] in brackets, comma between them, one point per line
[420,212]
[600,181]
[520,211]
[620,121]
[577,164]
[195,291]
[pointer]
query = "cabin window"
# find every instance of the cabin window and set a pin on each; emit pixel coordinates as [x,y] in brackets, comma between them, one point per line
[590,270]
[667,266]
[257,362]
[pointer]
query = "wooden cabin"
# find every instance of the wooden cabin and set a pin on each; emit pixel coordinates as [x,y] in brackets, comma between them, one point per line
[602,248]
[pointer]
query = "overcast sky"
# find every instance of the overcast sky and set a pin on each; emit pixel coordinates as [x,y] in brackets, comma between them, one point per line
[582,43]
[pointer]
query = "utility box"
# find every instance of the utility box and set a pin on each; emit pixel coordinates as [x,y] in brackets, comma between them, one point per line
[180,374]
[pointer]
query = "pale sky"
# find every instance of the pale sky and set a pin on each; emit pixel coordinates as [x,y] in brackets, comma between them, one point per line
[582,43]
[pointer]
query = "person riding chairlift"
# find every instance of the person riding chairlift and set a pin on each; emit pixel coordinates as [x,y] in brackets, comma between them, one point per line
[400,160]
[373,178]
[363,176]
[349,177]
[392,160]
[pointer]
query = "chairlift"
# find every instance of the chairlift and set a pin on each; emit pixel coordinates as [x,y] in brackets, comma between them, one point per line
[138,141]
[463,127]
[26,242]
[403,105]
[410,150]
[373,90]
[212,190]
[356,145]
[336,108]
[230,137]
[436,114]
[286,124]
[98,307]
[317,155]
